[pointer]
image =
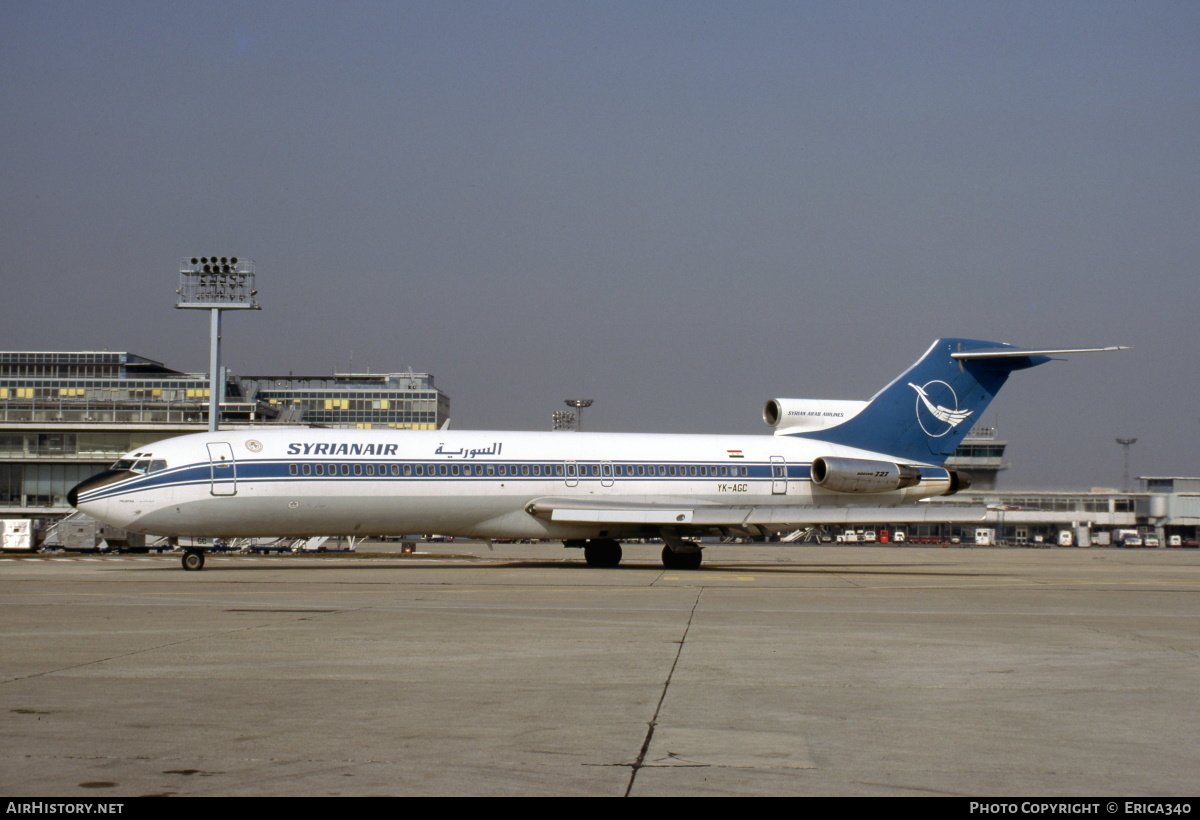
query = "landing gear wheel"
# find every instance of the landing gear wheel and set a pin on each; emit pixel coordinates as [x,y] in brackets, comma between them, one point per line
[681,560]
[193,560]
[603,552]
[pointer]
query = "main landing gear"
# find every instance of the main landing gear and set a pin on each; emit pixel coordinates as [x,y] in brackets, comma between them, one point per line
[681,557]
[606,552]
[602,552]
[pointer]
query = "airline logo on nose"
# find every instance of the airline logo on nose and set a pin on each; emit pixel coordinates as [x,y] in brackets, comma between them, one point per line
[937,408]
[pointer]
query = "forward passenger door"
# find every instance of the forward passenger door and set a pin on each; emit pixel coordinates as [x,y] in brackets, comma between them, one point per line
[222,468]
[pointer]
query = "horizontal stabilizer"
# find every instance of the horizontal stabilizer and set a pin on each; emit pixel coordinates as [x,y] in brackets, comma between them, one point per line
[1013,352]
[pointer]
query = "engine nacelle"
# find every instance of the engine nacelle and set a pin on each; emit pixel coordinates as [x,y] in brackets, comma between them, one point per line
[860,475]
[798,415]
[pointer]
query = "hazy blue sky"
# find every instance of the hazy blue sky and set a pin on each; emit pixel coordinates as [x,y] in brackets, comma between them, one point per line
[679,209]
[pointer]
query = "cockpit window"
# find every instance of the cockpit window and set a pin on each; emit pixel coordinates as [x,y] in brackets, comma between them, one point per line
[138,466]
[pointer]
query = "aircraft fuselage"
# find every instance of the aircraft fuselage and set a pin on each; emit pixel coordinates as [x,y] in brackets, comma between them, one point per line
[303,481]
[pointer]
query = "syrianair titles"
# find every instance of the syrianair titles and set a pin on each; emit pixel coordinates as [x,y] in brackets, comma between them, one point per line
[357,448]
[827,462]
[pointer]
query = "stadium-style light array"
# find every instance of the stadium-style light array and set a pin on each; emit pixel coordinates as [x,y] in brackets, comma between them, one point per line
[216,283]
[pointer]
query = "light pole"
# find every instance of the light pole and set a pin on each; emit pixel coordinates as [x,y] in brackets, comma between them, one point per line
[579,404]
[1126,442]
[215,284]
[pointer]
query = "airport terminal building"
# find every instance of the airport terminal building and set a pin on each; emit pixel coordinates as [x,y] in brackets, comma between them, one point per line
[1166,513]
[65,416]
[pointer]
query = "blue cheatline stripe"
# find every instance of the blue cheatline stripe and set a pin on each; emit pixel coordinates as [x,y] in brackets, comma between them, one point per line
[279,471]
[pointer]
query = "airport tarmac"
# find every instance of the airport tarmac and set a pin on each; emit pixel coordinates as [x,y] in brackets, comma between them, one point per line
[520,671]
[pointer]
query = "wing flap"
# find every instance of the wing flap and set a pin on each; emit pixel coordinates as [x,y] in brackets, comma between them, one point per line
[773,517]
[574,510]
[619,516]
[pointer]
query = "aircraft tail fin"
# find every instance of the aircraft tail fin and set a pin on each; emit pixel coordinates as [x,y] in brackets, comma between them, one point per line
[925,413]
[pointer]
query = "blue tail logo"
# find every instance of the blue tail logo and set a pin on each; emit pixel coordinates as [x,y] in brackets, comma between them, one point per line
[938,419]
[925,413]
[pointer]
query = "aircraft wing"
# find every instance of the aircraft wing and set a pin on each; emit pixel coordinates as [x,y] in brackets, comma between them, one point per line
[689,513]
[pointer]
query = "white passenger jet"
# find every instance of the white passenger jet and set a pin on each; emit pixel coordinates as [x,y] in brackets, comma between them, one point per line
[827,462]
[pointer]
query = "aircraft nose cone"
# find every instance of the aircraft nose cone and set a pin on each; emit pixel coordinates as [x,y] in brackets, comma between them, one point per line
[89,484]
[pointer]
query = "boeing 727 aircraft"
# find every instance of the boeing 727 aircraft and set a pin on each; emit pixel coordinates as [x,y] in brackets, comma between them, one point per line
[827,462]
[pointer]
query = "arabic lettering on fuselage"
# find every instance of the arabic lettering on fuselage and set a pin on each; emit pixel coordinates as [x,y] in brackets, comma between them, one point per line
[470,452]
[357,449]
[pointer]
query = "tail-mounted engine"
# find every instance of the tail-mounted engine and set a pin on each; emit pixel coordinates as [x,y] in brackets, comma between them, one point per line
[958,481]
[800,415]
[859,475]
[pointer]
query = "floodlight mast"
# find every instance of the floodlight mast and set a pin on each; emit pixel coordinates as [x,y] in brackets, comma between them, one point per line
[215,284]
[579,404]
